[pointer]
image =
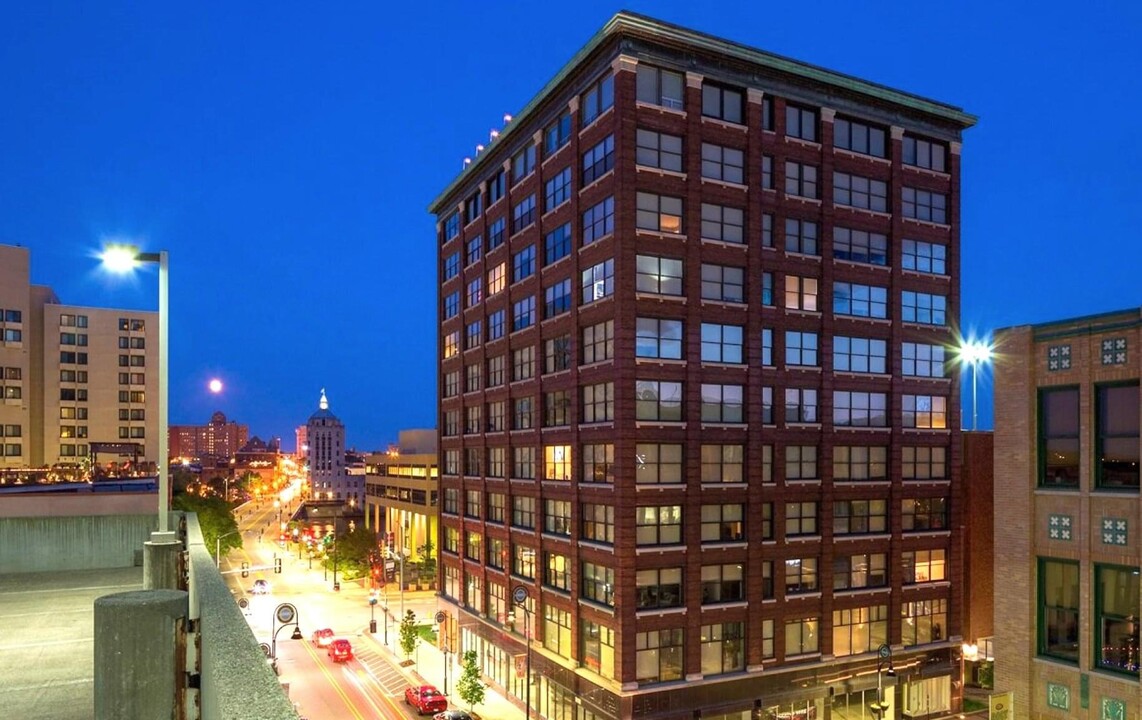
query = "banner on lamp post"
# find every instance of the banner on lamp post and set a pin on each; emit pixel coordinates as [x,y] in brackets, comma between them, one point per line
[1000,707]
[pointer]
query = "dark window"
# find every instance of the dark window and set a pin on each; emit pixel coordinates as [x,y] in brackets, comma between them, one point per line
[496,187]
[598,99]
[599,221]
[925,205]
[924,153]
[660,87]
[557,190]
[858,137]
[523,164]
[1117,436]
[557,134]
[801,123]
[658,150]
[1059,437]
[1116,617]
[523,214]
[860,246]
[557,244]
[1059,609]
[722,103]
[801,179]
[599,160]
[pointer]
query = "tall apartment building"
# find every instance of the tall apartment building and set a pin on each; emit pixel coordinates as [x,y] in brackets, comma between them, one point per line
[1067,547]
[219,439]
[72,377]
[328,477]
[695,305]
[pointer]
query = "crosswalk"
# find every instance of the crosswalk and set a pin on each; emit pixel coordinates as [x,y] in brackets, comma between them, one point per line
[388,677]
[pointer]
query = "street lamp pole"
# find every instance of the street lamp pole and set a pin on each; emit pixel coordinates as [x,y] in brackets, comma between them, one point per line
[284,616]
[883,658]
[974,353]
[519,595]
[218,547]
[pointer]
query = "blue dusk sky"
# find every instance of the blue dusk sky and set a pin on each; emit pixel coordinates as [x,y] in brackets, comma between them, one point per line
[285,154]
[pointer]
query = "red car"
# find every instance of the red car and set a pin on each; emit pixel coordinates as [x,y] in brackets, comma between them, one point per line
[426,699]
[340,651]
[322,637]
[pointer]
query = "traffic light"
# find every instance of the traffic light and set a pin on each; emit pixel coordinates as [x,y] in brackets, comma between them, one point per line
[245,569]
[278,566]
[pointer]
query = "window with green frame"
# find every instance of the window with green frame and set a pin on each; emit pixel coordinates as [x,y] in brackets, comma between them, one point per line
[1116,618]
[1117,435]
[1059,437]
[1059,609]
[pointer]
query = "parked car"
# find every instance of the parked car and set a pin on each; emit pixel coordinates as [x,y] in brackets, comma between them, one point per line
[452,715]
[322,637]
[340,651]
[261,587]
[426,699]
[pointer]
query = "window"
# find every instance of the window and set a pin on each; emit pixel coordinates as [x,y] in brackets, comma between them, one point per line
[767,347]
[452,305]
[860,192]
[557,629]
[451,226]
[722,343]
[723,648]
[719,282]
[496,234]
[557,298]
[497,554]
[452,344]
[557,244]
[452,383]
[801,464]
[860,571]
[860,462]
[557,190]
[800,518]
[723,464]
[1059,437]
[722,103]
[859,630]
[658,400]
[452,540]
[597,99]
[599,342]
[801,576]
[801,179]
[523,164]
[497,279]
[523,459]
[767,406]
[801,123]
[860,517]
[1116,436]
[598,652]
[473,548]
[658,150]
[599,160]
[556,408]
[523,313]
[723,163]
[474,334]
[920,514]
[598,523]
[767,115]
[921,360]
[557,134]
[557,517]
[599,403]
[767,172]
[800,348]
[523,512]
[660,87]
[658,525]
[556,574]
[658,464]
[523,214]
[860,300]
[924,463]
[496,371]
[923,308]
[925,205]
[924,153]
[722,583]
[523,363]
[925,411]
[658,338]
[923,621]
[767,230]
[598,463]
[658,275]
[497,186]
[598,281]
[659,213]
[1059,609]
[472,380]
[496,507]
[523,561]
[723,523]
[923,566]
[924,257]
[860,355]
[858,137]
[475,292]
[475,249]
[801,237]
[801,293]
[800,405]
[722,403]
[522,418]
[497,417]
[659,655]
[860,246]
[726,224]
[472,464]
[767,289]
[660,588]
[496,325]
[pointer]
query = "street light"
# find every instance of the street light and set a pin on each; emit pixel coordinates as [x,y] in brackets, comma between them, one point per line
[284,616]
[218,547]
[121,258]
[519,596]
[973,353]
[883,659]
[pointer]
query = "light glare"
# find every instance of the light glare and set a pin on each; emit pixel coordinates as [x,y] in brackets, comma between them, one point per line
[120,258]
[975,352]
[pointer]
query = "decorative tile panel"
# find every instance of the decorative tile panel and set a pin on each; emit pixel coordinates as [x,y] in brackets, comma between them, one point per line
[1113,531]
[1058,357]
[1058,696]
[1059,527]
[1113,709]
[1114,351]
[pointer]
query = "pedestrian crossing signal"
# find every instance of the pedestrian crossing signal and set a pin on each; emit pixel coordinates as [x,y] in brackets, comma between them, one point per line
[245,569]
[278,566]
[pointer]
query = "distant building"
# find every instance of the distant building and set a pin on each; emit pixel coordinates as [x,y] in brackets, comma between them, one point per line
[71,377]
[977,473]
[401,493]
[328,477]
[1068,529]
[300,446]
[219,439]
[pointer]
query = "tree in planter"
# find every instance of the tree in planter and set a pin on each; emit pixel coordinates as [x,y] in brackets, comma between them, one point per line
[408,634]
[470,687]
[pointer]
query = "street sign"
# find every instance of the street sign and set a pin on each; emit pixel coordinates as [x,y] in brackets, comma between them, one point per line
[285,613]
[243,603]
[440,616]
[265,648]
[519,594]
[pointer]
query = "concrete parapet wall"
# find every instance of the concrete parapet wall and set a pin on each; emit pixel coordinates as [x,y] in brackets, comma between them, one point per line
[54,544]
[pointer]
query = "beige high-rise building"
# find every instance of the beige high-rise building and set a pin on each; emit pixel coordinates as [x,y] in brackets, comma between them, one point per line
[72,378]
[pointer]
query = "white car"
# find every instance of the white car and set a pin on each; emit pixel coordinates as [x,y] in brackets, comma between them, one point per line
[261,587]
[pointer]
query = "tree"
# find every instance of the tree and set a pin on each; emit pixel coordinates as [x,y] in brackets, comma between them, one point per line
[469,687]
[215,519]
[427,562]
[408,634]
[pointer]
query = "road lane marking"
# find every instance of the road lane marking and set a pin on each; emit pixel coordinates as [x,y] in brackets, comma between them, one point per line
[333,682]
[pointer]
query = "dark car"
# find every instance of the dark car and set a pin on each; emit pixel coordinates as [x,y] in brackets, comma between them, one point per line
[340,651]
[426,699]
[452,715]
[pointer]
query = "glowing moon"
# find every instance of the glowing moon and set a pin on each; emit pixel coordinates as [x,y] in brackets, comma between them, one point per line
[215,386]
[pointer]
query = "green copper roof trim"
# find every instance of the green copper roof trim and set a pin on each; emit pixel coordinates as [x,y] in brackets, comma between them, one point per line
[635,24]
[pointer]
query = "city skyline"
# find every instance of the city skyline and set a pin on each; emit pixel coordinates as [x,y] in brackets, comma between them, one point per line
[290,145]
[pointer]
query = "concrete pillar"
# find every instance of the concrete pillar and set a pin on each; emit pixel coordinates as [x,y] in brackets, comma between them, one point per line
[139,660]
[160,561]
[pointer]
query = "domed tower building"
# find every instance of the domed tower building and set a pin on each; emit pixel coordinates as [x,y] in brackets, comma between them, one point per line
[328,478]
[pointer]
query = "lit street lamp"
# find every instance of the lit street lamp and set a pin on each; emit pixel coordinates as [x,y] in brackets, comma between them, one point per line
[519,596]
[284,616]
[973,353]
[120,259]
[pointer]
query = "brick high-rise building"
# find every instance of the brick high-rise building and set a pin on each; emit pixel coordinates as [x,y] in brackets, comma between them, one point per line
[696,301]
[219,439]
[1067,547]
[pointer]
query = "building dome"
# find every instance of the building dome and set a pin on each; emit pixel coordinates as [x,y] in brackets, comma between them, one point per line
[323,416]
